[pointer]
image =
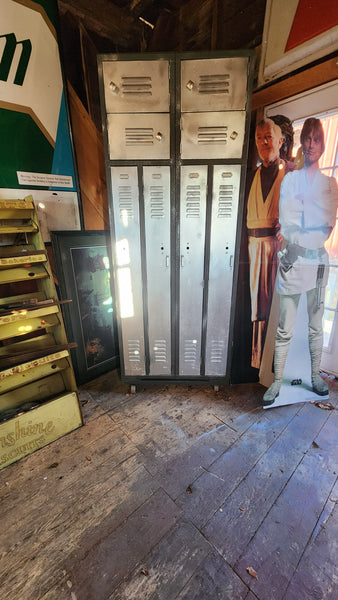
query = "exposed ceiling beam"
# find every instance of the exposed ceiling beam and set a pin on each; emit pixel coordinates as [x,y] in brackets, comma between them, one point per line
[106,20]
[137,7]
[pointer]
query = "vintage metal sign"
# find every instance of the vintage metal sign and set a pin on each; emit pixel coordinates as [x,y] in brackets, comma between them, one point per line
[34,429]
[35,147]
[296,33]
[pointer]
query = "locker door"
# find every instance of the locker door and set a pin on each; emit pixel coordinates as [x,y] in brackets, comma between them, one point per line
[139,136]
[214,84]
[136,86]
[225,196]
[211,135]
[156,188]
[192,241]
[127,251]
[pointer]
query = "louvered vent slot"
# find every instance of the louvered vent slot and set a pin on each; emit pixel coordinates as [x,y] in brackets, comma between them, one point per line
[156,202]
[125,202]
[190,351]
[193,202]
[134,351]
[225,200]
[217,351]
[137,86]
[160,351]
[139,136]
[209,136]
[214,84]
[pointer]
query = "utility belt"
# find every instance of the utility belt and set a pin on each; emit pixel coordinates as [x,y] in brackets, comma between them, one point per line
[289,255]
[314,254]
[261,232]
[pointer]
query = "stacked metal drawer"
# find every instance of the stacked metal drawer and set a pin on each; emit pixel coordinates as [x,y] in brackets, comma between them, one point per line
[38,398]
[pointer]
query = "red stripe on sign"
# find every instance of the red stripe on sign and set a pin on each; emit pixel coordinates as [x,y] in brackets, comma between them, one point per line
[312,18]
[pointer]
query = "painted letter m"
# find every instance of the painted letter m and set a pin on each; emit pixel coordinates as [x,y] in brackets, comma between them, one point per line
[8,55]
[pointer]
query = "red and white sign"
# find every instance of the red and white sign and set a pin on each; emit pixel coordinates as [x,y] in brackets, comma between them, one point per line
[296,33]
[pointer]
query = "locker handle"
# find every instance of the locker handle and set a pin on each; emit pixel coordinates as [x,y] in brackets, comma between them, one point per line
[190,85]
[114,88]
[231,261]
[182,260]
[159,136]
[167,261]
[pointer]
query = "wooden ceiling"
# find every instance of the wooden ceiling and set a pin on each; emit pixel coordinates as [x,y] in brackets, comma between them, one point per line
[91,27]
[165,25]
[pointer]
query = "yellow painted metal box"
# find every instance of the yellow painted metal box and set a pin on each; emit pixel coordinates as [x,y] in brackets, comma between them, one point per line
[39,427]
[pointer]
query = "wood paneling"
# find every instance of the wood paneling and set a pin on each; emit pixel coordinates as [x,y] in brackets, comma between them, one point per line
[88,144]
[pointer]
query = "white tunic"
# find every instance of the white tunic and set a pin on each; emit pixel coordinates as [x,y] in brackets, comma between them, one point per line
[307,213]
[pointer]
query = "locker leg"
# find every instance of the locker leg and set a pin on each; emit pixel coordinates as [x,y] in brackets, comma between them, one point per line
[133,389]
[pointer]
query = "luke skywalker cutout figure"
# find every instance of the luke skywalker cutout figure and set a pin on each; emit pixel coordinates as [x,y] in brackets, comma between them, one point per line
[307,214]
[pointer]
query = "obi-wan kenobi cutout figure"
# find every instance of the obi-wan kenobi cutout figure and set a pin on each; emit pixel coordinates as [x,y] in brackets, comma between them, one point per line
[264,238]
[307,214]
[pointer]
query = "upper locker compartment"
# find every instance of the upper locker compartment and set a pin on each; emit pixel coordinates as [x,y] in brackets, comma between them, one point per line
[136,86]
[214,84]
[213,107]
[137,105]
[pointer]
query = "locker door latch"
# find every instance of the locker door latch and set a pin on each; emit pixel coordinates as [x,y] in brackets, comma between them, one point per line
[113,87]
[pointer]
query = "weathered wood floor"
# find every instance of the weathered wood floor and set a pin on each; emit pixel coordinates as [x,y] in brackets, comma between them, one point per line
[172,493]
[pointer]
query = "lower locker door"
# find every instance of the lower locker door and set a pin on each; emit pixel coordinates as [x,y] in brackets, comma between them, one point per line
[156,186]
[127,252]
[192,240]
[225,196]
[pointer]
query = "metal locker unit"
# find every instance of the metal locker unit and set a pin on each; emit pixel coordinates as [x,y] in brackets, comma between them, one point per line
[212,131]
[137,124]
[175,133]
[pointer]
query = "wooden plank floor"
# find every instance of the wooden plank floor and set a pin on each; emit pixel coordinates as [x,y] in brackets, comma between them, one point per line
[172,493]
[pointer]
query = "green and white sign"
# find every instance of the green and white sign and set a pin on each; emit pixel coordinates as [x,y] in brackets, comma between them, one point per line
[35,146]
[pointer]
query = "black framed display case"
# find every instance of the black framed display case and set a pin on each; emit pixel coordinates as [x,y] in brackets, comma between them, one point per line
[82,261]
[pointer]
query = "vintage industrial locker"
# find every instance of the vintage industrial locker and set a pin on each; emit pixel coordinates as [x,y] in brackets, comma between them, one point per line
[176,132]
